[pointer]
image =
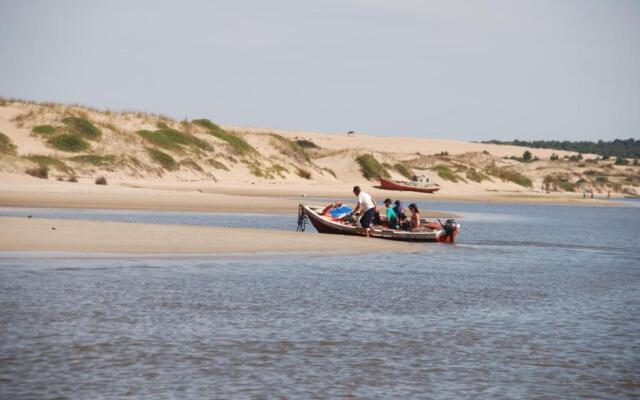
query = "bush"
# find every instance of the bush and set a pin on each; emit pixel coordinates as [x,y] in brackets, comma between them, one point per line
[44,130]
[48,161]
[82,127]
[576,158]
[165,160]
[621,161]
[476,176]
[39,172]
[6,145]
[73,179]
[303,173]
[191,164]
[509,175]
[172,139]
[554,157]
[371,168]
[526,156]
[289,148]
[329,170]
[68,142]
[217,164]
[307,144]
[238,144]
[101,180]
[445,173]
[94,159]
[403,170]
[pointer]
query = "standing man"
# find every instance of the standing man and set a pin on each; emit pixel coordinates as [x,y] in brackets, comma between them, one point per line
[367,207]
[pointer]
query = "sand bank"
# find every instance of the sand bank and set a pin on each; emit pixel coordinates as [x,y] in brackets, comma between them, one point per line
[36,234]
[21,191]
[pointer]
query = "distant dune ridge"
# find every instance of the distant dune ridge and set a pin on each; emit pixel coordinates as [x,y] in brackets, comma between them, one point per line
[74,143]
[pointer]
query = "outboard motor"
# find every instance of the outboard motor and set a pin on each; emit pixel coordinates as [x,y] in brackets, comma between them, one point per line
[450,226]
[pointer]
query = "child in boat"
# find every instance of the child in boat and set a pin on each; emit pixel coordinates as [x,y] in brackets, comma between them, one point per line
[392,218]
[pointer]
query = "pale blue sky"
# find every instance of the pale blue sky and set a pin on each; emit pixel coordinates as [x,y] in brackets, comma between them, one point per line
[470,70]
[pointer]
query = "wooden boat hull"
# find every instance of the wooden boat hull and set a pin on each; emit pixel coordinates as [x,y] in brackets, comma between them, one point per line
[395,185]
[326,225]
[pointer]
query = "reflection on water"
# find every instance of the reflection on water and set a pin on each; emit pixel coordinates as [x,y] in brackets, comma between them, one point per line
[541,302]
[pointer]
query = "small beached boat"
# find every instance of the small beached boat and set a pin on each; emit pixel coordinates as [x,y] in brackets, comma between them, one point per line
[325,222]
[413,186]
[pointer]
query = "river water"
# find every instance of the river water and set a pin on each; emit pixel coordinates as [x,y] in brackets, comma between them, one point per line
[532,301]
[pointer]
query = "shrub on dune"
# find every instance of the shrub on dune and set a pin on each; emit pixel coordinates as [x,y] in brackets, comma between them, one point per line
[68,142]
[82,127]
[6,145]
[165,160]
[370,167]
[238,144]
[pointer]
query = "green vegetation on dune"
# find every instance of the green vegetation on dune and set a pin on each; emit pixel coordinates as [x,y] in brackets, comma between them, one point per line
[6,145]
[94,159]
[48,161]
[330,171]
[165,160]
[238,144]
[82,127]
[188,163]
[207,124]
[370,167]
[303,173]
[172,139]
[289,148]
[555,182]
[306,144]
[509,175]
[403,170]
[69,142]
[448,175]
[44,129]
[473,175]
[217,164]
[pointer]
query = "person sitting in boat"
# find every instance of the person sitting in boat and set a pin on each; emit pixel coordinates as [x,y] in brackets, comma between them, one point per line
[367,208]
[414,224]
[392,218]
[399,210]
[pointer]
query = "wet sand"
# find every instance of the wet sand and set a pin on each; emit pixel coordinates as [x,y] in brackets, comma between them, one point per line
[39,234]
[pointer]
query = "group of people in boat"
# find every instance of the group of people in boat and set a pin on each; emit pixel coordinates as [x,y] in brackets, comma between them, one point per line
[393,218]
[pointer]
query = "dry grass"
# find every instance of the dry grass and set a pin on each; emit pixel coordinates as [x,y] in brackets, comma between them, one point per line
[41,172]
[6,145]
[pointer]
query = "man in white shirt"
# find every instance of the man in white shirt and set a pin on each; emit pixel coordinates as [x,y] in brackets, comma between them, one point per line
[367,207]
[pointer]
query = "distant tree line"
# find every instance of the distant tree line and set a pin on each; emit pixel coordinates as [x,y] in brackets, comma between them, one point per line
[629,148]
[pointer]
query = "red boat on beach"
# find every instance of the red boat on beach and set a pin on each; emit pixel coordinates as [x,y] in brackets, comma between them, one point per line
[413,186]
[433,231]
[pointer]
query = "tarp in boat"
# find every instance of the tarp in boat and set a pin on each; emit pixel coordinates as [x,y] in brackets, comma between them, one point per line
[340,212]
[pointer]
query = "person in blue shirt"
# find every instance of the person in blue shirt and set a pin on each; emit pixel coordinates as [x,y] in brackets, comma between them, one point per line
[392,218]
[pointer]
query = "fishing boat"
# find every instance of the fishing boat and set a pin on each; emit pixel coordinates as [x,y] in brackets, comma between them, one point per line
[417,185]
[326,222]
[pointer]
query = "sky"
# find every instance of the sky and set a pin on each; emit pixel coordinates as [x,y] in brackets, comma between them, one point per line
[467,70]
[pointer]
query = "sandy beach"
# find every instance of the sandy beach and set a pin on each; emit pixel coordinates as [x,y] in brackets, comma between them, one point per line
[36,234]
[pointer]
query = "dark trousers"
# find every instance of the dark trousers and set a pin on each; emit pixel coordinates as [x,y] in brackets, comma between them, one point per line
[367,218]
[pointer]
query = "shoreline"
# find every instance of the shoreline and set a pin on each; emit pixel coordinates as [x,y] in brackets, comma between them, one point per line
[20,234]
[238,198]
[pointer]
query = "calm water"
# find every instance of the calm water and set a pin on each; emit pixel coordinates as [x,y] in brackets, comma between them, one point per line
[533,301]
